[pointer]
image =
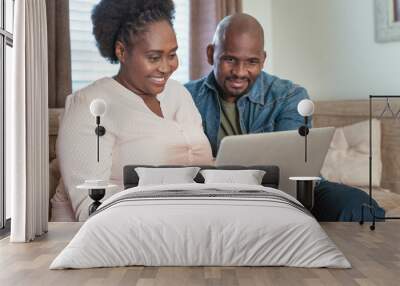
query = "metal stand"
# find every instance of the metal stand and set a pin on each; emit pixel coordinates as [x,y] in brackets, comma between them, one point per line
[303,131]
[305,193]
[369,204]
[305,190]
[100,131]
[96,195]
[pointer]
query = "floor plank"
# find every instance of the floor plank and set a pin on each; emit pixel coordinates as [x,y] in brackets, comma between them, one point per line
[375,257]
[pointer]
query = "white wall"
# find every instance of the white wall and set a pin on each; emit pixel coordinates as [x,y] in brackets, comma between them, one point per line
[328,47]
[261,10]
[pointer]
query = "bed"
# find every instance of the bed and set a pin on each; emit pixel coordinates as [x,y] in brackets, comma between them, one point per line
[199,224]
[332,113]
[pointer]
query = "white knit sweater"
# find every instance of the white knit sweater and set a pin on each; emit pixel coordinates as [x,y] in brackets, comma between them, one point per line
[134,135]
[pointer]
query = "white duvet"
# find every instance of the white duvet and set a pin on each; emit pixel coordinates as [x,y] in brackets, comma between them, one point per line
[183,231]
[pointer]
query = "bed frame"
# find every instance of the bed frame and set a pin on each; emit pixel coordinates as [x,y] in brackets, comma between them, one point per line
[270,179]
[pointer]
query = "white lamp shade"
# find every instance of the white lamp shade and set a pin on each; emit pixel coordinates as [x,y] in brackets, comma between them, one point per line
[98,107]
[305,107]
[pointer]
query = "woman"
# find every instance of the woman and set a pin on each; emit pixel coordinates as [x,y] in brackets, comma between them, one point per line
[150,118]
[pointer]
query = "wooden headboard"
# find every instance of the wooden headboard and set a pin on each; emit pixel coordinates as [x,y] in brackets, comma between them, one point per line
[327,113]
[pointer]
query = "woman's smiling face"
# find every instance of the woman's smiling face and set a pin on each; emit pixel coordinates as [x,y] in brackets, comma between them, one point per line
[150,60]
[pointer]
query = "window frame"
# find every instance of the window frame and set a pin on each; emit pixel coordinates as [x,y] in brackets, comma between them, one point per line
[6,39]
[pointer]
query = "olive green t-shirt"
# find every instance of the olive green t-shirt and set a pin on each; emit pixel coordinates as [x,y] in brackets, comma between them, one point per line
[229,124]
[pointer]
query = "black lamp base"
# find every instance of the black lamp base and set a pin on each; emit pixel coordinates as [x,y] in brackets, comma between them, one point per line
[100,130]
[303,130]
[96,195]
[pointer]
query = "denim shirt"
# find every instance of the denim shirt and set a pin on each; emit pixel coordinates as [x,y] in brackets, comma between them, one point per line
[270,105]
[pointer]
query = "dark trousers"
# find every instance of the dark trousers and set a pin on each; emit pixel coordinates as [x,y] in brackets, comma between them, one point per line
[338,202]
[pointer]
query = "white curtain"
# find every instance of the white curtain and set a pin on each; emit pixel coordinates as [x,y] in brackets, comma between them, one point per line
[27,124]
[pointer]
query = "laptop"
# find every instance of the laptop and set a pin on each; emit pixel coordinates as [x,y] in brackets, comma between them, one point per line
[284,149]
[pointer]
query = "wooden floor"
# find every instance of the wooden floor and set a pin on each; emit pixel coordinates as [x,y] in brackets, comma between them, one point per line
[374,255]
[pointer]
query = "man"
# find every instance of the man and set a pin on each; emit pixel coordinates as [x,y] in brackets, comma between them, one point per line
[237,97]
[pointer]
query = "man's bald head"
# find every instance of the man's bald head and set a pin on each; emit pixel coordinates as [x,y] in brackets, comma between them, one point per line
[238,24]
[237,54]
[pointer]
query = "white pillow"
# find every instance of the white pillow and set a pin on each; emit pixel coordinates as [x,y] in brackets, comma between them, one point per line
[347,160]
[248,177]
[165,176]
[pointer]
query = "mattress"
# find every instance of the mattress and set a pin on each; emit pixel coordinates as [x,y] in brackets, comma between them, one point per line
[201,225]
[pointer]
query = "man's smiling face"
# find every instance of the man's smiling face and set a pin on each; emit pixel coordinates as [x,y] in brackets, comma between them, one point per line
[237,61]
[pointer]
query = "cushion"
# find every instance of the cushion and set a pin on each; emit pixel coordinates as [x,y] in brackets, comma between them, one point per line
[162,176]
[248,177]
[347,160]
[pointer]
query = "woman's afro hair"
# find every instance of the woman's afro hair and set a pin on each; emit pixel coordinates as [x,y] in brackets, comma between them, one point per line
[121,19]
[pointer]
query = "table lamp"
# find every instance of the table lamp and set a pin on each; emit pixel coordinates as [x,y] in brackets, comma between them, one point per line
[305,109]
[305,185]
[98,108]
[97,188]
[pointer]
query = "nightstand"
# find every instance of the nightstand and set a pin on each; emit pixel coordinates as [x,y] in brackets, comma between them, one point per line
[305,190]
[97,191]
